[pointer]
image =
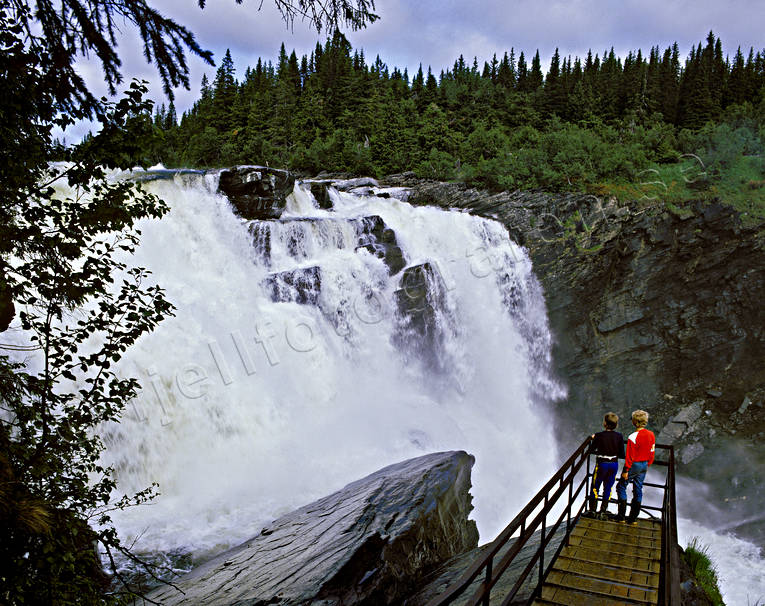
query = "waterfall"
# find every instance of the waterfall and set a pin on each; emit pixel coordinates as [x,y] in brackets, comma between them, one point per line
[313,349]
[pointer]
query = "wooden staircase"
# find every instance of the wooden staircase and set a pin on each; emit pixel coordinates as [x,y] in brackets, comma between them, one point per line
[552,555]
[606,564]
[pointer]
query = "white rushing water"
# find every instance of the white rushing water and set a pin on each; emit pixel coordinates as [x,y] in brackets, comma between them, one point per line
[740,565]
[252,407]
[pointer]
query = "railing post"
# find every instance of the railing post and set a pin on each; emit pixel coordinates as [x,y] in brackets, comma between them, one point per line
[542,544]
[570,505]
[588,485]
[487,594]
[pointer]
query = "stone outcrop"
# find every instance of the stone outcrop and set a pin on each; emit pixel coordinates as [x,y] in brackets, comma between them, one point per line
[320,191]
[355,184]
[165,174]
[369,543]
[380,240]
[651,306]
[361,187]
[256,192]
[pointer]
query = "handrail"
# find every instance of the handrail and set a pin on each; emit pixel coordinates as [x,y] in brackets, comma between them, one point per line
[563,481]
[485,562]
[669,580]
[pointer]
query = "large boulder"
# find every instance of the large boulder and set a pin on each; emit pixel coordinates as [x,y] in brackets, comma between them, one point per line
[370,543]
[320,190]
[256,192]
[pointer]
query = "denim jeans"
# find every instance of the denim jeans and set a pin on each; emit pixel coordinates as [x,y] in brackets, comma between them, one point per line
[605,473]
[636,476]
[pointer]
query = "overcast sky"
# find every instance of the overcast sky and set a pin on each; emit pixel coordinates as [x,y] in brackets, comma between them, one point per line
[436,32]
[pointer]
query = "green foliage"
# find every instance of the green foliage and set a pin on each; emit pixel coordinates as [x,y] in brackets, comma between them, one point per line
[697,557]
[439,165]
[83,308]
[589,124]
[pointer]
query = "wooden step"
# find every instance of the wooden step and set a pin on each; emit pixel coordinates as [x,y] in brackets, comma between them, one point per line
[619,529]
[618,535]
[625,560]
[606,564]
[563,596]
[609,539]
[603,588]
[650,549]
[619,574]
[643,526]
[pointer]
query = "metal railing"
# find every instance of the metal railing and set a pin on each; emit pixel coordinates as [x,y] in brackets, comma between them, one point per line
[572,483]
[669,580]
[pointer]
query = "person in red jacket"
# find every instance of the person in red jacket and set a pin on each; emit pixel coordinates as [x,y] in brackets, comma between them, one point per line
[641,445]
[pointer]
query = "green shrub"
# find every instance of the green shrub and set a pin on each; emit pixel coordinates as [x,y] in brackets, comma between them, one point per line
[438,165]
[697,556]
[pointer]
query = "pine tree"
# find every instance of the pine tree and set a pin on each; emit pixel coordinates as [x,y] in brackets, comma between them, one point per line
[506,71]
[736,91]
[535,75]
[554,92]
[523,75]
[223,95]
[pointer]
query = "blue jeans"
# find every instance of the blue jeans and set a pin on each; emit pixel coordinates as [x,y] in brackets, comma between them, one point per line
[605,473]
[635,476]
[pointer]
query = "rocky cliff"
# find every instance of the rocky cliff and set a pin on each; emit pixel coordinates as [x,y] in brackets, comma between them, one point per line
[369,543]
[656,307]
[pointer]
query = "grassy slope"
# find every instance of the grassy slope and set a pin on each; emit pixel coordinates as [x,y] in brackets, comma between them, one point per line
[742,185]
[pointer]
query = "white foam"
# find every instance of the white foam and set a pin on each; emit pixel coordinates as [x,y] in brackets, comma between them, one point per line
[251,408]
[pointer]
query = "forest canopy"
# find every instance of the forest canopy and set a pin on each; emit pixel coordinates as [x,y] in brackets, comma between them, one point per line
[504,124]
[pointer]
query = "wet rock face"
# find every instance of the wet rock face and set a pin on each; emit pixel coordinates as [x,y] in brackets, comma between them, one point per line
[642,303]
[381,241]
[373,235]
[370,543]
[301,286]
[168,174]
[420,296]
[320,191]
[256,192]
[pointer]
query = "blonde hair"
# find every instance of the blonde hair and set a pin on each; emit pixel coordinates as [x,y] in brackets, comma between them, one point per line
[639,418]
[610,420]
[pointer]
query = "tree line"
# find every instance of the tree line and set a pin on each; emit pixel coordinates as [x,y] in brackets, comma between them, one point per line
[503,124]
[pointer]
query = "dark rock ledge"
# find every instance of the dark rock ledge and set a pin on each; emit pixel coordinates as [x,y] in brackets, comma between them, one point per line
[370,543]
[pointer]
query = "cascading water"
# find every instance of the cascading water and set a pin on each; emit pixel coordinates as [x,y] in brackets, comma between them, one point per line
[313,349]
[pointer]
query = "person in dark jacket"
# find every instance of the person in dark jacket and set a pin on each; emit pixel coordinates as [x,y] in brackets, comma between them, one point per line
[608,447]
